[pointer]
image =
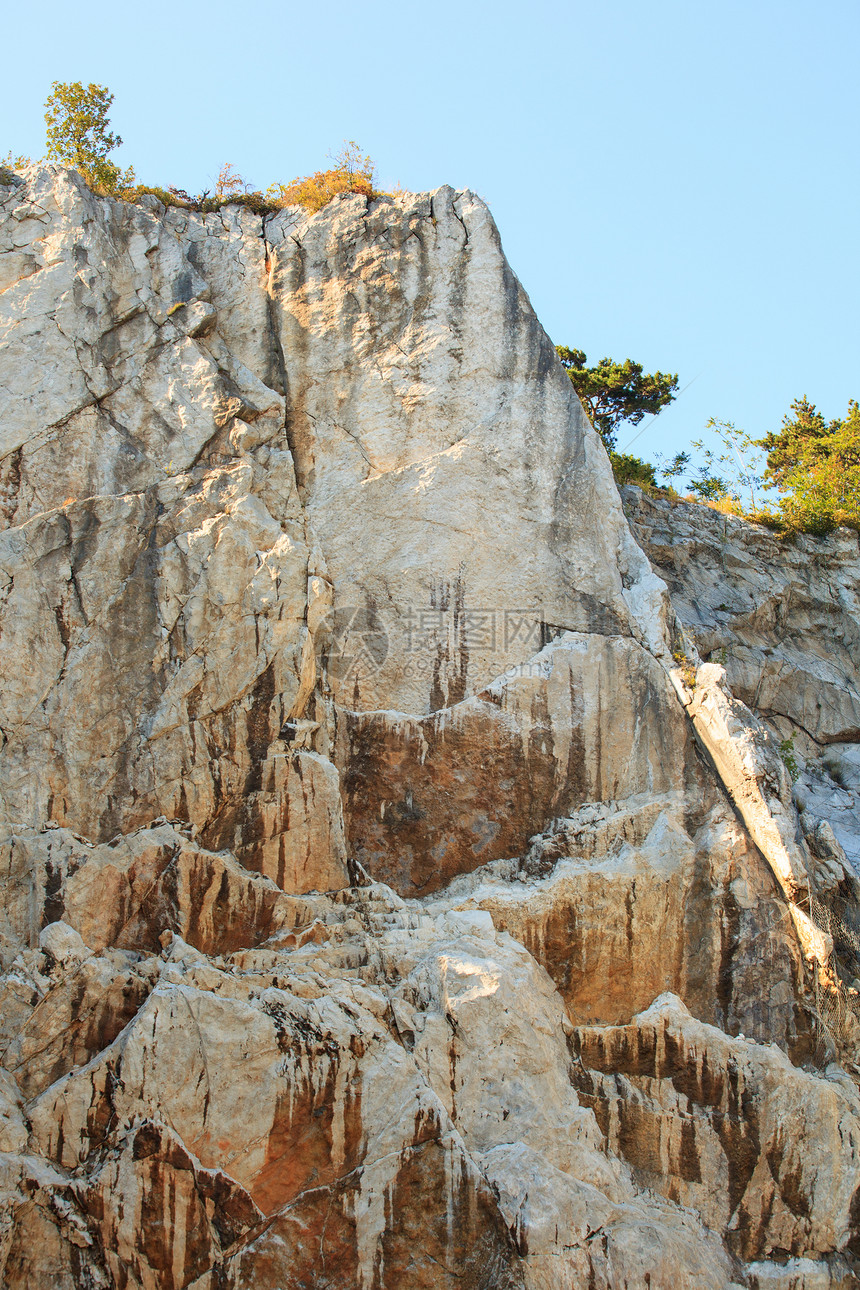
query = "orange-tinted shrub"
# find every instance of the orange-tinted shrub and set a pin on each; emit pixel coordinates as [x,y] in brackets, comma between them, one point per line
[352,173]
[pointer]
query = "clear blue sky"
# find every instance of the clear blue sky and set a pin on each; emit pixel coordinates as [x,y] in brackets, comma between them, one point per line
[674,181]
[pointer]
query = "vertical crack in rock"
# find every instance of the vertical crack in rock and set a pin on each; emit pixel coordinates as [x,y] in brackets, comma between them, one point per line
[277,363]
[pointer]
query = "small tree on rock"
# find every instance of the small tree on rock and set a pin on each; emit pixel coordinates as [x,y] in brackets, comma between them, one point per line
[230,183]
[802,434]
[815,464]
[615,392]
[79,134]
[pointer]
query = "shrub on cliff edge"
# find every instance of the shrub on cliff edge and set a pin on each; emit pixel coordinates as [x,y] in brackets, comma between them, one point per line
[632,470]
[351,173]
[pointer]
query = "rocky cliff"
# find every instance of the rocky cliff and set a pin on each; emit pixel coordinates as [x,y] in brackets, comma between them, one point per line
[400,888]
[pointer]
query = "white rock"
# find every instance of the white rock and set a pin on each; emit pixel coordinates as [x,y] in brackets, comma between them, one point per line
[63,943]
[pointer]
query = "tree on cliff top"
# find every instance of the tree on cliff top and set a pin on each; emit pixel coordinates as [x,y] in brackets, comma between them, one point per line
[616,392]
[79,134]
[799,434]
[815,464]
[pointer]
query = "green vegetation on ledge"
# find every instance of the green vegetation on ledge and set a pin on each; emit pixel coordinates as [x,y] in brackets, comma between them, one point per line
[815,465]
[79,135]
[812,465]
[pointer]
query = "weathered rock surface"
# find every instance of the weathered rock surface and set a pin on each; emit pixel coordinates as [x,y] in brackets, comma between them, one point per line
[636,907]
[589,719]
[779,620]
[382,905]
[783,619]
[355,1069]
[786,613]
[726,1126]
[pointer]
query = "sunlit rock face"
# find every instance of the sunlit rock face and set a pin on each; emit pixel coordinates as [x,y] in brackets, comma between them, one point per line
[783,619]
[382,905]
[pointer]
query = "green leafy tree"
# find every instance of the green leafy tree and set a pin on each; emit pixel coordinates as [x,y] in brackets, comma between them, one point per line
[816,467]
[796,440]
[616,392]
[632,470]
[738,465]
[670,468]
[706,485]
[79,134]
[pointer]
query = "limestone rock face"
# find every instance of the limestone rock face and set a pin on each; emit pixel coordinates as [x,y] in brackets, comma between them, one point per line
[778,622]
[383,903]
[785,613]
[635,907]
[671,1101]
[782,618]
[428,798]
[426,406]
